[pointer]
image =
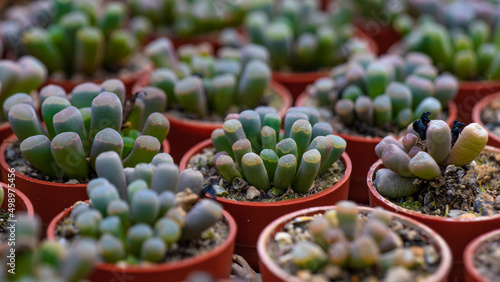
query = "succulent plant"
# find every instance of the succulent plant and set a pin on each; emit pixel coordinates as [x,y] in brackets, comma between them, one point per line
[343,240]
[137,214]
[201,84]
[406,160]
[184,18]
[301,37]
[256,151]
[78,129]
[82,38]
[47,260]
[21,76]
[387,90]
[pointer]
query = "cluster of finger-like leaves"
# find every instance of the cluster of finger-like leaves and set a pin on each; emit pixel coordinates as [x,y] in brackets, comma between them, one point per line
[250,146]
[135,212]
[84,124]
[201,83]
[391,88]
[47,260]
[341,238]
[405,159]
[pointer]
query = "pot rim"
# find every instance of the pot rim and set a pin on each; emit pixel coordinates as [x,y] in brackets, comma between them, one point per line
[372,190]
[478,109]
[445,251]
[282,91]
[159,267]
[206,143]
[4,165]
[470,253]
[29,206]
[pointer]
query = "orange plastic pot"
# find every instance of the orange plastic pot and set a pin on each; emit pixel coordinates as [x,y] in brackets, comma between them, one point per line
[361,150]
[379,31]
[128,80]
[185,133]
[20,202]
[493,139]
[272,272]
[470,93]
[297,82]
[216,262]
[48,198]
[252,217]
[456,232]
[471,272]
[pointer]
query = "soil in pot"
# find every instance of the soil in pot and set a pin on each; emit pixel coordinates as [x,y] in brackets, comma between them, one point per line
[240,190]
[486,258]
[490,117]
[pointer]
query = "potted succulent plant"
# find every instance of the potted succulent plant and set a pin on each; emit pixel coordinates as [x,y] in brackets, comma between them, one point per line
[439,176]
[149,222]
[485,113]
[82,44]
[369,98]
[481,258]
[347,242]
[21,76]
[202,89]
[59,158]
[463,45]
[31,260]
[304,41]
[259,174]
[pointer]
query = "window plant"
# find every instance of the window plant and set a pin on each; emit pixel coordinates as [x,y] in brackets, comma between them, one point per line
[257,171]
[75,132]
[371,97]
[439,159]
[202,88]
[149,218]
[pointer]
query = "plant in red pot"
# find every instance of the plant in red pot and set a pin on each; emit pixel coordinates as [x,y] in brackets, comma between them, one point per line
[303,41]
[59,156]
[12,201]
[260,174]
[485,113]
[481,258]
[346,242]
[202,88]
[445,178]
[84,44]
[32,260]
[149,222]
[370,98]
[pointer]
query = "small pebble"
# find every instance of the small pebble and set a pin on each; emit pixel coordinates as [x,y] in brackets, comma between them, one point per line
[497,203]
[303,274]
[283,237]
[252,193]
[417,251]
[467,216]
[398,274]
[220,191]
[431,256]
[483,204]
[456,213]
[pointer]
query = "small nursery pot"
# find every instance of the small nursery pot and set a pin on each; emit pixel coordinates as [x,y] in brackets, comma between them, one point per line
[128,80]
[48,198]
[188,132]
[297,82]
[216,262]
[5,131]
[457,232]
[470,93]
[272,272]
[381,32]
[361,150]
[472,274]
[252,217]
[493,139]
[20,203]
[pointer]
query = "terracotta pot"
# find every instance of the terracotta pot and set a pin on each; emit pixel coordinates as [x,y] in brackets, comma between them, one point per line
[272,272]
[470,93]
[216,262]
[252,217]
[128,80]
[457,232]
[471,272]
[185,133]
[493,139]
[297,82]
[48,198]
[361,150]
[379,31]
[21,202]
